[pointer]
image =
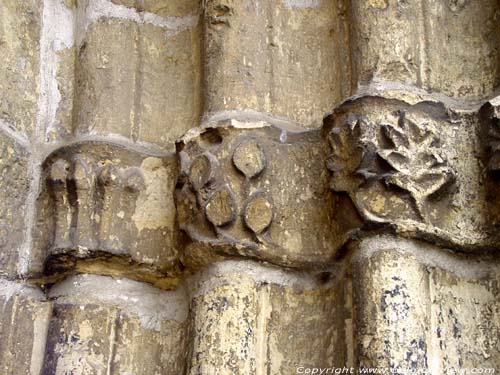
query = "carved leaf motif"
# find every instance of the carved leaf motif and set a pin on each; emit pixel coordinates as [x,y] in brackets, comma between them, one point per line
[346,156]
[415,158]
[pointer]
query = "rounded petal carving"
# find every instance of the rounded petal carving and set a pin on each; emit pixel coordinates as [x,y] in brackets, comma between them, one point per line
[220,209]
[249,158]
[201,171]
[258,213]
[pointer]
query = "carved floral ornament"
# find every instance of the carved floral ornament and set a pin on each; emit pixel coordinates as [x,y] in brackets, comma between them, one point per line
[249,192]
[404,156]
[217,199]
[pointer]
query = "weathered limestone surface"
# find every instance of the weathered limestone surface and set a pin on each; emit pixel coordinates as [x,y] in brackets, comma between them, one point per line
[106,326]
[427,44]
[20,51]
[252,319]
[269,57]
[245,191]
[137,69]
[418,166]
[249,187]
[23,327]
[420,308]
[13,192]
[106,198]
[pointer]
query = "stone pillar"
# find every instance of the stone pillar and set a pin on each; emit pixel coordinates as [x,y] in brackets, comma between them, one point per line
[139,63]
[268,58]
[102,325]
[414,45]
[248,318]
[418,308]
[24,321]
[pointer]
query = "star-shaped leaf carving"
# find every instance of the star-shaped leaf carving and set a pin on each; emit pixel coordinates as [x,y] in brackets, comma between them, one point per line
[418,165]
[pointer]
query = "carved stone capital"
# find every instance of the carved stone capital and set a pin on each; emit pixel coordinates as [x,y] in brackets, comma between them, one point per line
[260,191]
[418,168]
[106,199]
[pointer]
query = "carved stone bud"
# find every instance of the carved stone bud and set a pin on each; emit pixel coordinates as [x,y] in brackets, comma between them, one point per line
[220,209]
[258,213]
[249,158]
[202,170]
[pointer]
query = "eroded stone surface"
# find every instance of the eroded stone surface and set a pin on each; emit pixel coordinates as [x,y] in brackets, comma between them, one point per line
[418,307]
[23,328]
[417,167]
[13,195]
[105,198]
[20,32]
[252,319]
[133,76]
[116,327]
[271,58]
[268,192]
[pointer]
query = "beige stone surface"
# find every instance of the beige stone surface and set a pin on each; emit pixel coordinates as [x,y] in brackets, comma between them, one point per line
[419,167]
[227,170]
[449,47]
[20,32]
[107,199]
[106,326]
[23,327]
[13,195]
[390,314]
[138,79]
[172,200]
[270,57]
[421,308]
[251,319]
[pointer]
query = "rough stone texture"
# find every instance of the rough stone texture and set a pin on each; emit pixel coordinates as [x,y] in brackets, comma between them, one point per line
[423,309]
[229,169]
[166,252]
[418,167]
[23,327]
[135,71]
[105,198]
[13,192]
[20,51]
[106,326]
[269,57]
[392,326]
[251,319]
[423,43]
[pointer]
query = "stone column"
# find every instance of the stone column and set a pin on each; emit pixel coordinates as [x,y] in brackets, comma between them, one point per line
[419,308]
[102,325]
[24,321]
[268,58]
[250,318]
